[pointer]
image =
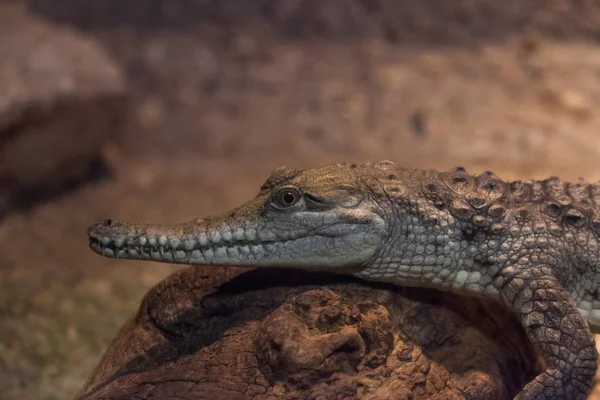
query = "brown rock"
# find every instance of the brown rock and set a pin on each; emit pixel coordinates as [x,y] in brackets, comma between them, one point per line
[61,96]
[325,337]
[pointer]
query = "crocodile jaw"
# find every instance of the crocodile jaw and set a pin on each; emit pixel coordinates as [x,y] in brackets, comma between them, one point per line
[325,240]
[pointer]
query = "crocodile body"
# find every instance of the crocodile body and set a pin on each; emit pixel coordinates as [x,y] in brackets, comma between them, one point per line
[532,246]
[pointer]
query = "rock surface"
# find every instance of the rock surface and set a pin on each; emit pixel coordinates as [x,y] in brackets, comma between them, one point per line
[61,98]
[272,334]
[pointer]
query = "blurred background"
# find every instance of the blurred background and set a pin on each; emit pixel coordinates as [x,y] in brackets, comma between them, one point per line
[165,110]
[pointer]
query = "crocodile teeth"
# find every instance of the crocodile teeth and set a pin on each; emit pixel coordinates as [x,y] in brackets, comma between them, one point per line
[214,245]
[162,240]
[119,241]
[189,244]
[203,240]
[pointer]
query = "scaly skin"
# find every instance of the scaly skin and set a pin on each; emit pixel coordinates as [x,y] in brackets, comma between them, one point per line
[532,246]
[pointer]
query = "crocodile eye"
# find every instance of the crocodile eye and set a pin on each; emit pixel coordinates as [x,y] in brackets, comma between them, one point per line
[287,197]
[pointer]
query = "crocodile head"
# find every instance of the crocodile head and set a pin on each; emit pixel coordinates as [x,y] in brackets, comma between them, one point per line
[322,218]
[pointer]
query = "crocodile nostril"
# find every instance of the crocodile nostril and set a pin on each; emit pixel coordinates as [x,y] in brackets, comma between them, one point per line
[107,222]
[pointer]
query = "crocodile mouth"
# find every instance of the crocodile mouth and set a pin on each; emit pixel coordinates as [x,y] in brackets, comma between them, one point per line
[331,240]
[223,244]
[191,251]
[151,249]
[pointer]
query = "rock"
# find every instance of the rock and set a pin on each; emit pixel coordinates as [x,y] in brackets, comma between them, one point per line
[324,337]
[61,97]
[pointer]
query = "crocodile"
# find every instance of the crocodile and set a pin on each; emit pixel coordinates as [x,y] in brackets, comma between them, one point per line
[532,246]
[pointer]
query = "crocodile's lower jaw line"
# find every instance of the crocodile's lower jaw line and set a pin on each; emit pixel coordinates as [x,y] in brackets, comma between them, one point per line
[202,253]
[293,251]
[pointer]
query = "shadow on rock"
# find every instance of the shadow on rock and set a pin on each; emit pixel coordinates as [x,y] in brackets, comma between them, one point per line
[279,334]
